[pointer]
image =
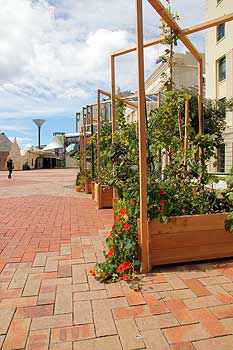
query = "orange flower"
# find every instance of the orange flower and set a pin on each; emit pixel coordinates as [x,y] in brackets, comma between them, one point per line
[123,267]
[110,253]
[122,212]
[117,218]
[93,272]
[126,226]
[125,277]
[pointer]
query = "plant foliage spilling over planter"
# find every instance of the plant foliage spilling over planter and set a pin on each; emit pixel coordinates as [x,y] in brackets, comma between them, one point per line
[179,183]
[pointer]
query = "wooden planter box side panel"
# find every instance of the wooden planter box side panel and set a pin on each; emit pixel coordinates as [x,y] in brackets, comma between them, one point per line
[96,190]
[93,190]
[88,186]
[105,197]
[189,238]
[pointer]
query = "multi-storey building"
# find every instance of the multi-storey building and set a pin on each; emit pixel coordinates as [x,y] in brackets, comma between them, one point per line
[185,75]
[219,73]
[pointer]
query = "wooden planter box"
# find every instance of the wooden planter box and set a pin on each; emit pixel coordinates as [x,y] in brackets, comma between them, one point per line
[103,195]
[88,186]
[93,190]
[189,238]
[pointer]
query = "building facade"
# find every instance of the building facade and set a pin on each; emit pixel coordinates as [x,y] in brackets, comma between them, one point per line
[219,74]
[5,147]
[185,75]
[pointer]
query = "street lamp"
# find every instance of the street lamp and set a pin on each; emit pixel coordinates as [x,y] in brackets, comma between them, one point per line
[39,123]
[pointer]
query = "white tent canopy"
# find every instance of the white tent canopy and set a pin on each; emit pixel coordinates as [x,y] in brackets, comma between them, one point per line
[56,143]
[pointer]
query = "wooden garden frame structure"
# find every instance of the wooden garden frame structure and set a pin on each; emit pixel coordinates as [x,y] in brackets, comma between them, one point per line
[107,94]
[144,239]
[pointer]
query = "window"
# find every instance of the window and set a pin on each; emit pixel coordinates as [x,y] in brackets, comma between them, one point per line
[222,68]
[223,101]
[218,1]
[220,31]
[221,159]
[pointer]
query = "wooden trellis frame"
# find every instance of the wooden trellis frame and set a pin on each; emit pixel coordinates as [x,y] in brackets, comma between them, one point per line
[166,16]
[139,47]
[107,94]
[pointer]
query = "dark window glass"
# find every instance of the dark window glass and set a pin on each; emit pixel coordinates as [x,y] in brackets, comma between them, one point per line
[223,100]
[221,159]
[222,69]
[220,31]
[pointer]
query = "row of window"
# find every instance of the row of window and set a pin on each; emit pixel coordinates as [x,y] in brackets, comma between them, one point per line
[221,76]
[222,68]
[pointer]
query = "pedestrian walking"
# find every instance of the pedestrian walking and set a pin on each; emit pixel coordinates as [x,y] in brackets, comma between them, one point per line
[10,167]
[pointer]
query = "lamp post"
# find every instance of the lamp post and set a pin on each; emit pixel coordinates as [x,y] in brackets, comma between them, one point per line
[39,123]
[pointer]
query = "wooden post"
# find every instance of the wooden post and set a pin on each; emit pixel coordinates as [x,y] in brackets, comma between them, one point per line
[113,94]
[200,96]
[84,140]
[98,132]
[92,146]
[81,150]
[144,232]
[187,120]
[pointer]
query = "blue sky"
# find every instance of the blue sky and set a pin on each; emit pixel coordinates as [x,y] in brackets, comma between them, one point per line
[54,54]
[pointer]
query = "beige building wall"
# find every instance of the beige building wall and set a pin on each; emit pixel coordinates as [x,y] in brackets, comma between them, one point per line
[215,50]
[16,156]
[185,76]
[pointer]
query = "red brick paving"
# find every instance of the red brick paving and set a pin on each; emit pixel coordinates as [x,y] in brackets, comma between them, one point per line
[50,237]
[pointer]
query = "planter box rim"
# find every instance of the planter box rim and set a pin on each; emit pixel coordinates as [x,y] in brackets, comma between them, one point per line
[190,216]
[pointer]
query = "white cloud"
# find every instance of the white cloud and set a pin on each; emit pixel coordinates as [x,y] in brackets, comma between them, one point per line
[53,58]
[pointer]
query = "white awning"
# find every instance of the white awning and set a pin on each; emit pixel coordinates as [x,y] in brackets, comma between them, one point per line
[56,143]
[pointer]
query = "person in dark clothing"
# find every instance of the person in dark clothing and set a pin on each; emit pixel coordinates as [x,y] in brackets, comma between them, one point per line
[10,167]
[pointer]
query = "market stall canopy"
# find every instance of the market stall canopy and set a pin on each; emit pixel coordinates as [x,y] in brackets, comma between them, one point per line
[72,148]
[56,143]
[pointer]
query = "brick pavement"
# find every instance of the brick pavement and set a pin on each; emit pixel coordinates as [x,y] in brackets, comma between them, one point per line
[50,237]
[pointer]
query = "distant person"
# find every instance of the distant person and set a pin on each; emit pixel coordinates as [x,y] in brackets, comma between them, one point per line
[10,167]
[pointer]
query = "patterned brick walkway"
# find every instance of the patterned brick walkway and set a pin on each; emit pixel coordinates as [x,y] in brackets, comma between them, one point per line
[50,237]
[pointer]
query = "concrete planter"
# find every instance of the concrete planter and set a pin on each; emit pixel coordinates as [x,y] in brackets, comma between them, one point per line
[189,238]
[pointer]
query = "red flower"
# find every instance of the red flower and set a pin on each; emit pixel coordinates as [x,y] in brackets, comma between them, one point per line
[162,202]
[123,267]
[109,234]
[125,277]
[162,192]
[93,272]
[117,218]
[122,212]
[110,253]
[126,226]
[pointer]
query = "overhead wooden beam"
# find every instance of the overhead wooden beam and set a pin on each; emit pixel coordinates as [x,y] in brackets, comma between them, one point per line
[127,103]
[148,43]
[167,17]
[190,30]
[208,24]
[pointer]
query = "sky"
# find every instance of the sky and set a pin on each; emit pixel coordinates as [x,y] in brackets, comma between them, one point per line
[54,55]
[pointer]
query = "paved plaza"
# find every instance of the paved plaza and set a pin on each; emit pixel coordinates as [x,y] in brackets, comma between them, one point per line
[50,237]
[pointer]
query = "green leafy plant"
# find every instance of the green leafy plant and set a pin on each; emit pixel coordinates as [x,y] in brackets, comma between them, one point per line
[178,183]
